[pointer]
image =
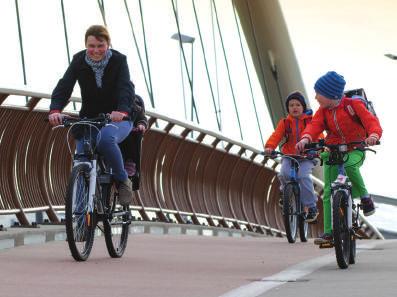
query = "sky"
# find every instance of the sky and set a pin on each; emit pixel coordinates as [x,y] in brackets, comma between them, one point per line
[351,38]
[43,41]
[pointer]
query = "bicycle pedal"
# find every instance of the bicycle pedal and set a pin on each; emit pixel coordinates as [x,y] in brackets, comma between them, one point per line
[359,233]
[358,236]
[312,222]
[99,207]
[327,245]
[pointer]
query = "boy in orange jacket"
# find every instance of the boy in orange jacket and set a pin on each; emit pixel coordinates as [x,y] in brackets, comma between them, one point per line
[335,115]
[291,128]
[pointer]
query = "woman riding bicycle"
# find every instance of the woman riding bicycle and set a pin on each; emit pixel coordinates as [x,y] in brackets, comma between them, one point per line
[335,115]
[291,128]
[104,80]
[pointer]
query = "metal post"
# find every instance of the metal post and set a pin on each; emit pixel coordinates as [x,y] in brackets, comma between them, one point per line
[39,217]
[188,39]
[192,92]
[21,45]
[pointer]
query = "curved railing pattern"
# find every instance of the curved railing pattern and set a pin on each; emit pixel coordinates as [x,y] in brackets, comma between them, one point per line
[189,174]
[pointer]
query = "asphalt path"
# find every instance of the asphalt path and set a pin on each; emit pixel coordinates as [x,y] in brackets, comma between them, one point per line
[189,266]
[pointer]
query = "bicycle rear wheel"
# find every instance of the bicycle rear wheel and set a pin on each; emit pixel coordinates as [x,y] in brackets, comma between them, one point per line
[290,203]
[79,218]
[116,224]
[341,231]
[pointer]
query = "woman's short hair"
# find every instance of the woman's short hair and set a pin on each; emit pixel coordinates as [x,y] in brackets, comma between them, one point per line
[99,32]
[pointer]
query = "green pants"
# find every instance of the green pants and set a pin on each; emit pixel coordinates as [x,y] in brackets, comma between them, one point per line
[352,167]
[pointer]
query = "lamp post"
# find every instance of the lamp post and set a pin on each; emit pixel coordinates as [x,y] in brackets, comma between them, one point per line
[391,56]
[190,40]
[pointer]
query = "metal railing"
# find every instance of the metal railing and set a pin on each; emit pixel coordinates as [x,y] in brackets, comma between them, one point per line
[188,173]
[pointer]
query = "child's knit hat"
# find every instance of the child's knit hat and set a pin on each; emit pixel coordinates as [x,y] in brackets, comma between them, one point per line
[297,96]
[330,85]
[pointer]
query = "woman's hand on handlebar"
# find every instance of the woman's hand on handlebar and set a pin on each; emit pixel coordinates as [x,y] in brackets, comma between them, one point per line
[55,118]
[268,151]
[300,146]
[371,140]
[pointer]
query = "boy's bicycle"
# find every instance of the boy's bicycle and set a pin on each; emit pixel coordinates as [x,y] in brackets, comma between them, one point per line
[345,213]
[294,215]
[91,197]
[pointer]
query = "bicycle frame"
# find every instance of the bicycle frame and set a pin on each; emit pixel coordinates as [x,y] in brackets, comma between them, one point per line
[90,185]
[89,158]
[292,179]
[342,205]
[293,212]
[342,183]
[294,168]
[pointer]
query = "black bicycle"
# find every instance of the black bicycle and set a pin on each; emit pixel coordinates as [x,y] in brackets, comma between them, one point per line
[294,215]
[345,213]
[91,197]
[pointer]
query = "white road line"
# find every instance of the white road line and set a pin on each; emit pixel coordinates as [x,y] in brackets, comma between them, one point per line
[292,273]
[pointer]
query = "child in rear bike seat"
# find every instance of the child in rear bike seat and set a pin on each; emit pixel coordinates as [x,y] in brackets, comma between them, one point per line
[131,146]
[290,128]
[345,121]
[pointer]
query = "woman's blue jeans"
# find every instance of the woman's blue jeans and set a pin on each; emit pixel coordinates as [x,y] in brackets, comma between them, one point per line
[107,141]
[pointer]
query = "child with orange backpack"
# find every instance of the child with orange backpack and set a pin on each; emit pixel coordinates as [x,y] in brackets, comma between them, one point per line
[291,129]
[345,120]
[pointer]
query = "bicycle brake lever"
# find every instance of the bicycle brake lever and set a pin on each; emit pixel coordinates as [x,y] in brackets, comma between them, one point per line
[58,126]
[371,150]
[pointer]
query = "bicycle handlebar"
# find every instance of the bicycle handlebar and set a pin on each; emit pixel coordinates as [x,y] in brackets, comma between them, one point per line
[274,154]
[101,119]
[341,147]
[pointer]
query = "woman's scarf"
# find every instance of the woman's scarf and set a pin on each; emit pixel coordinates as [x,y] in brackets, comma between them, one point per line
[99,66]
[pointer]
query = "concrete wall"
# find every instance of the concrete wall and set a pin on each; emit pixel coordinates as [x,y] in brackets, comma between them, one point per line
[271,50]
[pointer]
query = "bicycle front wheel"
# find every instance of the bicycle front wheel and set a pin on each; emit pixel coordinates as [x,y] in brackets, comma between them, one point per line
[290,203]
[79,216]
[116,224]
[341,231]
[356,223]
[303,227]
[352,255]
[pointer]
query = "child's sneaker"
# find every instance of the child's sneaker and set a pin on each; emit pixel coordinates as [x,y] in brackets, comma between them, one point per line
[312,215]
[367,206]
[326,238]
[130,167]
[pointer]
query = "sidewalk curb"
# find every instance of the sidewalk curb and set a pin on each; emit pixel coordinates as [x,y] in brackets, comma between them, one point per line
[15,237]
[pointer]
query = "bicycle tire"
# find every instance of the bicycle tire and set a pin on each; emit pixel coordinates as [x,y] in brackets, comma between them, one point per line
[353,246]
[80,222]
[116,224]
[303,228]
[289,212]
[341,231]
[352,254]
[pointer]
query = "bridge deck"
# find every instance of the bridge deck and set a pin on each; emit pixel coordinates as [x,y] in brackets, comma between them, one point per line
[167,265]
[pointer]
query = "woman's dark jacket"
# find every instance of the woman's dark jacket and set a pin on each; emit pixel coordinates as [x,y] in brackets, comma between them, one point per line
[116,94]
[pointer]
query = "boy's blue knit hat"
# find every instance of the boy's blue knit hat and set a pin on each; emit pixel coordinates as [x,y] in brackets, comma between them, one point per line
[330,85]
[297,96]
